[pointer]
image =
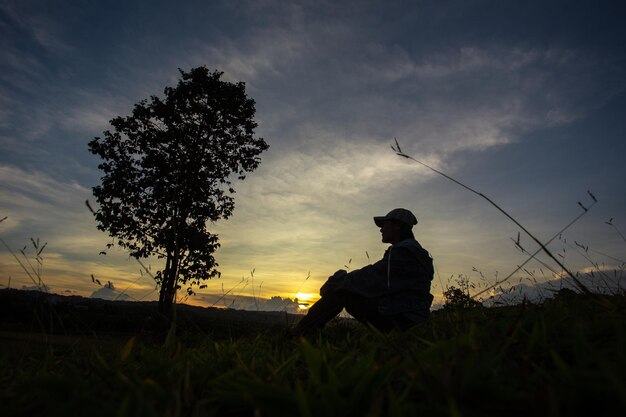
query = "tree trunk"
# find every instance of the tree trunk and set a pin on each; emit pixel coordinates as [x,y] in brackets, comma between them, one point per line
[170,275]
[168,286]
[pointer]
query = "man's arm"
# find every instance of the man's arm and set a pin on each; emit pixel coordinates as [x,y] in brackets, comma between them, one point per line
[398,270]
[334,282]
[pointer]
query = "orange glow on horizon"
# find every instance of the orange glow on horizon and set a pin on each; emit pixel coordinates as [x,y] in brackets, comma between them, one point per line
[303,296]
[305,300]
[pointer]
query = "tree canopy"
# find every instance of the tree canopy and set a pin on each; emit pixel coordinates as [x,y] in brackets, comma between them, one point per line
[168,171]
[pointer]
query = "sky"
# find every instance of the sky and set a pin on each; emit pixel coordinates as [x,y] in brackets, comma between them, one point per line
[524,102]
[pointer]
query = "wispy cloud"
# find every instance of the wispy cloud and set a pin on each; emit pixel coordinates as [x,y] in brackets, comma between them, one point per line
[44,31]
[31,195]
[40,207]
[477,97]
[249,302]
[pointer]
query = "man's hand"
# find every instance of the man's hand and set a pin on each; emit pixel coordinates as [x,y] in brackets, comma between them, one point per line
[333,282]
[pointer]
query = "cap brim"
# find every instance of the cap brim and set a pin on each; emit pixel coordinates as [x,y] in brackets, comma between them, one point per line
[379,220]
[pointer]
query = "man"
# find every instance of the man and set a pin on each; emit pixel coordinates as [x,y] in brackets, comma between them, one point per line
[393,293]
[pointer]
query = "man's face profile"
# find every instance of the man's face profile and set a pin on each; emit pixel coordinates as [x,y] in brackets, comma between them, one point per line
[390,231]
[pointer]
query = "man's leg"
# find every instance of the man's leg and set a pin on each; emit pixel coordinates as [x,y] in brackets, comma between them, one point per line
[320,313]
[330,305]
[366,310]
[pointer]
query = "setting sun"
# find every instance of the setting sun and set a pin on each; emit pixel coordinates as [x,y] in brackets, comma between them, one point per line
[305,300]
[303,296]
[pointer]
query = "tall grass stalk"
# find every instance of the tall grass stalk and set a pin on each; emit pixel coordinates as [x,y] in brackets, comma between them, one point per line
[610,223]
[256,302]
[224,294]
[534,254]
[297,291]
[580,285]
[583,251]
[38,282]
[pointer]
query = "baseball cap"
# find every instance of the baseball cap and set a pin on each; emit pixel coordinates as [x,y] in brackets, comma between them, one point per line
[403,215]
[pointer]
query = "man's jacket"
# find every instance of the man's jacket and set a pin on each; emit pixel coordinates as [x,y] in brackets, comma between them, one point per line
[401,279]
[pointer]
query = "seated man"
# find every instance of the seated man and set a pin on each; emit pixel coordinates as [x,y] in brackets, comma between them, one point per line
[393,293]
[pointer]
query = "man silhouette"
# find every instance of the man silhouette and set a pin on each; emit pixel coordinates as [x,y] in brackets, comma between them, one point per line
[393,293]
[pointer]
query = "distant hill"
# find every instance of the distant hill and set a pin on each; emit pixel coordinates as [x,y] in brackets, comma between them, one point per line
[37,311]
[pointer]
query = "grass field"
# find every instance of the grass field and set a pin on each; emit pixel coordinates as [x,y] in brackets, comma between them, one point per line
[563,357]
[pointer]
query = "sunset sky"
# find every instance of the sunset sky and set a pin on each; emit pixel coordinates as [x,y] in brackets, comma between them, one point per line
[523,101]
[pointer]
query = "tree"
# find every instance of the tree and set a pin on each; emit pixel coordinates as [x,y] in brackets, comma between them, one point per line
[455,298]
[167,172]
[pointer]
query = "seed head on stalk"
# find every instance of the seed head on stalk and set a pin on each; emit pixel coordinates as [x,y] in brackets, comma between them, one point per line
[580,285]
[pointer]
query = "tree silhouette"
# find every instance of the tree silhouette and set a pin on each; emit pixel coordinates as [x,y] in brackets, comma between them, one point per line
[456,298]
[167,172]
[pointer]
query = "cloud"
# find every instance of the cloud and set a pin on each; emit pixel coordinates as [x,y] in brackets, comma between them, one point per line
[304,210]
[30,41]
[109,292]
[41,207]
[241,302]
[42,288]
[476,97]
[42,30]
[396,64]
[31,196]
[470,98]
[268,52]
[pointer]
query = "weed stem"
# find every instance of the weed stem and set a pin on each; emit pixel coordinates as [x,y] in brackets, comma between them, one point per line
[580,285]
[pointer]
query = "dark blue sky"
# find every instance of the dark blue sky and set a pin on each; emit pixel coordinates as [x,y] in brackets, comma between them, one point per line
[525,101]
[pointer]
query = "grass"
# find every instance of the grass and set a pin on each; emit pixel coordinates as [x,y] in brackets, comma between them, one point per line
[562,357]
